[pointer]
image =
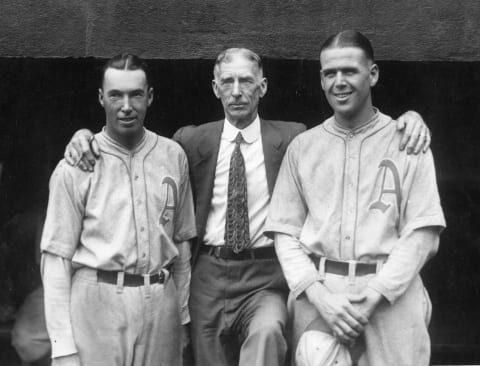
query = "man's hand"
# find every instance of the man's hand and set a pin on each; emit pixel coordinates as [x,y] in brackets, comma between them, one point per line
[368,303]
[82,150]
[70,360]
[416,134]
[346,322]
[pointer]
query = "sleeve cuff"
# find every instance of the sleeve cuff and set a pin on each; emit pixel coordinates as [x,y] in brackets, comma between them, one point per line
[306,283]
[272,228]
[185,235]
[425,221]
[63,344]
[388,294]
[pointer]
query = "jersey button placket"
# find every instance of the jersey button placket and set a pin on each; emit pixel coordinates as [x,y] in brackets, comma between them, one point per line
[349,201]
[140,214]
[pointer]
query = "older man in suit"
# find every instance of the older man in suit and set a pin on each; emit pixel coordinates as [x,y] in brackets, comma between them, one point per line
[238,292]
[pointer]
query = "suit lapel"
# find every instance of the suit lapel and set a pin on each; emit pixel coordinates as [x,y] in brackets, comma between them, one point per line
[272,142]
[208,146]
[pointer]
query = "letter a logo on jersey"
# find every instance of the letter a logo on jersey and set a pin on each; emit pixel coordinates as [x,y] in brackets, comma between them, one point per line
[385,166]
[170,200]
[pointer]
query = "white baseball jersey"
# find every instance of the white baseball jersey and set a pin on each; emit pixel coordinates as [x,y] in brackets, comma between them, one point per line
[128,213]
[353,195]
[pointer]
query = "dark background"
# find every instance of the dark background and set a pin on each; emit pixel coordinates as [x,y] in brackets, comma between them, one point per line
[43,101]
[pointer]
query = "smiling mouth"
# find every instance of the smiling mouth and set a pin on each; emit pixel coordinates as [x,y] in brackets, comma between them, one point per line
[127,121]
[342,95]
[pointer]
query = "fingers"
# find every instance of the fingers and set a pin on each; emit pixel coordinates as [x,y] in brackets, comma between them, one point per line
[415,136]
[420,142]
[69,156]
[428,140]
[345,336]
[407,133]
[94,146]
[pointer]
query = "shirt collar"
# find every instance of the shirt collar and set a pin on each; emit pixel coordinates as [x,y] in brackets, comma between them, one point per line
[250,134]
[358,129]
[116,146]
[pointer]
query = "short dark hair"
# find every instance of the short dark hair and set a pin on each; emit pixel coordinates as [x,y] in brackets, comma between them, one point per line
[226,56]
[126,61]
[349,38]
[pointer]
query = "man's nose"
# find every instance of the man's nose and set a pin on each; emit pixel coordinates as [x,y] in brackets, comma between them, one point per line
[339,78]
[236,92]
[126,105]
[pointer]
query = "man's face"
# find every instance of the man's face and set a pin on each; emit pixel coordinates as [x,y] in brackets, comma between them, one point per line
[239,84]
[347,76]
[125,96]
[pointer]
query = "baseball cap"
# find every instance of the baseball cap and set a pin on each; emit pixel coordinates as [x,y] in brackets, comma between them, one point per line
[316,348]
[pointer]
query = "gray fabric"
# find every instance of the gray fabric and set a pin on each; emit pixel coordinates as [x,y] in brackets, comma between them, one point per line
[238,304]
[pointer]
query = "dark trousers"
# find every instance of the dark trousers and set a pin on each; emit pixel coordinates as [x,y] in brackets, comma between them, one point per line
[238,312]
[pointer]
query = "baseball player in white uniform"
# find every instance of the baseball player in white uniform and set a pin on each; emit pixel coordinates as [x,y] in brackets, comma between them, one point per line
[355,220]
[114,237]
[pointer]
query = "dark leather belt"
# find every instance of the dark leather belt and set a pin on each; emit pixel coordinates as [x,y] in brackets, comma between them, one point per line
[228,253]
[341,268]
[130,280]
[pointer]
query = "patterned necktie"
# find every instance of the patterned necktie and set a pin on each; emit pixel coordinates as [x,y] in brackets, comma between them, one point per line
[237,230]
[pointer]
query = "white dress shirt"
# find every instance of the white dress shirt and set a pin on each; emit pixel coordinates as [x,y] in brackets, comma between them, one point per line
[257,187]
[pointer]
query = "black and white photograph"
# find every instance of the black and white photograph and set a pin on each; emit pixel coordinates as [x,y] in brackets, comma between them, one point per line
[256,183]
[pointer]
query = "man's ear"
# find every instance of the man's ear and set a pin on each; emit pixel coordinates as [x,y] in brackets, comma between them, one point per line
[263,87]
[100,96]
[150,95]
[215,88]
[374,75]
[322,81]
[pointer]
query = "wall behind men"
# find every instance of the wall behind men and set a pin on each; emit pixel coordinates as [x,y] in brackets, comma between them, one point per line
[430,30]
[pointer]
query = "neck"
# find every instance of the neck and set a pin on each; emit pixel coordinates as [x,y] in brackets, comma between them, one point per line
[241,123]
[127,141]
[355,120]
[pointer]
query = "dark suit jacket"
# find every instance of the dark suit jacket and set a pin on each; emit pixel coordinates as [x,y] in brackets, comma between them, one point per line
[201,144]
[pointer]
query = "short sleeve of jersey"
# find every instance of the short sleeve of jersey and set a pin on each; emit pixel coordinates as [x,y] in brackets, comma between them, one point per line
[422,207]
[185,228]
[287,211]
[63,223]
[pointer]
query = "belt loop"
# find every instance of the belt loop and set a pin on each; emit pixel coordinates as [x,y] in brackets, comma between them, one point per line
[166,274]
[252,253]
[352,266]
[146,282]
[120,281]
[321,268]
[379,265]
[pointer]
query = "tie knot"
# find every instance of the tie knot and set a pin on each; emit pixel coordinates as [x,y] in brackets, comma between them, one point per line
[239,139]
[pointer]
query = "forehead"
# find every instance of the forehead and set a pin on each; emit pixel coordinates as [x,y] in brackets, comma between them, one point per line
[336,57]
[124,79]
[238,64]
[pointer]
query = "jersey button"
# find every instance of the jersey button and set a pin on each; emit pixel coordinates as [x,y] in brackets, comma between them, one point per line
[136,177]
[142,229]
[347,237]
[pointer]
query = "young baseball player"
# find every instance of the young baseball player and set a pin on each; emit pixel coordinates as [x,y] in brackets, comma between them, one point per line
[115,237]
[355,220]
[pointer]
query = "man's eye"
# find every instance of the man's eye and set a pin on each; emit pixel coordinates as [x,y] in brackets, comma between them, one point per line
[246,83]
